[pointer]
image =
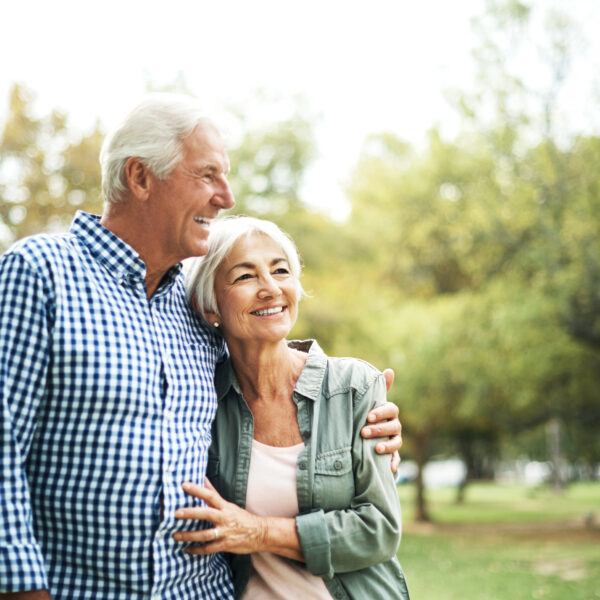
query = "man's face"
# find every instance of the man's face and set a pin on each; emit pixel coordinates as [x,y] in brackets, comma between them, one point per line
[191,196]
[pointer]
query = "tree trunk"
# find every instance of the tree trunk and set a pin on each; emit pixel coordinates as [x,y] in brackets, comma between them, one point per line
[421,447]
[554,435]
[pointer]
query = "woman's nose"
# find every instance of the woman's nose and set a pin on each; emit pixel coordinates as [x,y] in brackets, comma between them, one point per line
[268,287]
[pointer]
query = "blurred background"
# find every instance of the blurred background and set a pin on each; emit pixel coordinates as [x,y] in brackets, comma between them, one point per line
[438,166]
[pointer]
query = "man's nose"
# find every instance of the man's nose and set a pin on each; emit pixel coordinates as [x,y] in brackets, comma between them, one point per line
[224,196]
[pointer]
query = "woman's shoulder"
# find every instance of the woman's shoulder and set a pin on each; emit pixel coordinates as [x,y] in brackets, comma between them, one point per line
[342,373]
[345,372]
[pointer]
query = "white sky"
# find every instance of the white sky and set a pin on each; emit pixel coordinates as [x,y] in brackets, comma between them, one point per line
[364,67]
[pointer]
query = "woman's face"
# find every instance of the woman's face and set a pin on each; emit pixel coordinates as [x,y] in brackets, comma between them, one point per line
[256,291]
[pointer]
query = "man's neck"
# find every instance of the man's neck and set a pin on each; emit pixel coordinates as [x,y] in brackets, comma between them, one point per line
[130,227]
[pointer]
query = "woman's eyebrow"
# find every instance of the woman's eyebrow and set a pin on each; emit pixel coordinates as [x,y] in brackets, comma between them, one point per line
[250,265]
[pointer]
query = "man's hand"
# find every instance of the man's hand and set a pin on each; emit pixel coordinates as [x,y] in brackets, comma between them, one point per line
[383,422]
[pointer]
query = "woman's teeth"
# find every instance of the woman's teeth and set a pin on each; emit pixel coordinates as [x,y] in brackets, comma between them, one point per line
[268,311]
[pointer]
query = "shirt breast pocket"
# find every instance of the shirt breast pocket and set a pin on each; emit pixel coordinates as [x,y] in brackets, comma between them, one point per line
[334,479]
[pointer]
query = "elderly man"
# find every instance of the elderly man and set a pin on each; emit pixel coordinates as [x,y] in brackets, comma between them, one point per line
[106,376]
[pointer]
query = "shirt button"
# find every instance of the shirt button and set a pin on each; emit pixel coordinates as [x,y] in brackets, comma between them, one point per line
[337,465]
[168,478]
[302,465]
[169,415]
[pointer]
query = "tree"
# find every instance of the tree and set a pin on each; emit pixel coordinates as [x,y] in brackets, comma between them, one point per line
[486,253]
[45,171]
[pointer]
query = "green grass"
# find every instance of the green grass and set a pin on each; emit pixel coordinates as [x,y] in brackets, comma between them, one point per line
[505,542]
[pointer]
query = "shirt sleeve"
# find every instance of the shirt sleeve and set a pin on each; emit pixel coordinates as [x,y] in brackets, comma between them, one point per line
[368,531]
[24,356]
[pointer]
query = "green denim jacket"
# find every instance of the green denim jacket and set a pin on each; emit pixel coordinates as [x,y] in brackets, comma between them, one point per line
[349,523]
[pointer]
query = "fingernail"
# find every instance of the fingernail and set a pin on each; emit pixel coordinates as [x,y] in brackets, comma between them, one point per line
[367,431]
[380,448]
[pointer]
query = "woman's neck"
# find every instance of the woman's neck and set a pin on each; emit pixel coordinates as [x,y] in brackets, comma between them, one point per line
[266,372]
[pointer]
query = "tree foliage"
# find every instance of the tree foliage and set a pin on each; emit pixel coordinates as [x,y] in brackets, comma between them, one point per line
[45,171]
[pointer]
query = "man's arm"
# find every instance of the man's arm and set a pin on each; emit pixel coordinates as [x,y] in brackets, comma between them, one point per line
[382,422]
[24,356]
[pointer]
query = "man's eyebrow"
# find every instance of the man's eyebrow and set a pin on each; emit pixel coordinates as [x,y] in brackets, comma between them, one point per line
[212,168]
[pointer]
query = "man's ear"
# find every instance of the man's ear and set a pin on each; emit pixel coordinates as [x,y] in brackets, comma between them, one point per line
[137,175]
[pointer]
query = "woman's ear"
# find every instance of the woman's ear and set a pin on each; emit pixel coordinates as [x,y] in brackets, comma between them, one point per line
[207,315]
[211,317]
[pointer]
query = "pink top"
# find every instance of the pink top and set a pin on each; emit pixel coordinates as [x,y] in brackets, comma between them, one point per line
[272,492]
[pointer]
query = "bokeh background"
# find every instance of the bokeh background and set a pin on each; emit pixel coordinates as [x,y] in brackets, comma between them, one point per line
[437,164]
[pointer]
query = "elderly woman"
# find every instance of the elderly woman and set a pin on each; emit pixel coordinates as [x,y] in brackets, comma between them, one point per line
[295,479]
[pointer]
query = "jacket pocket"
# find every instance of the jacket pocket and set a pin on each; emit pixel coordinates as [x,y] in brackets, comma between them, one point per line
[334,479]
[213,473]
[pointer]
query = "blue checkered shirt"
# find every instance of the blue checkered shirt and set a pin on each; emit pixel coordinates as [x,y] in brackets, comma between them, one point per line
[107,402]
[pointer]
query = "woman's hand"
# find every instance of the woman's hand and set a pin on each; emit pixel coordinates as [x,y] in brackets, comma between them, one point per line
[235,529]
[383,422]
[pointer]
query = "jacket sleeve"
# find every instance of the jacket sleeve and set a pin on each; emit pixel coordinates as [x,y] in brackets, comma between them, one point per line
[368,531]
[24,356]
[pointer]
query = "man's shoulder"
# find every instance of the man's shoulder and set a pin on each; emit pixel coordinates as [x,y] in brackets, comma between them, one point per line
[40,247]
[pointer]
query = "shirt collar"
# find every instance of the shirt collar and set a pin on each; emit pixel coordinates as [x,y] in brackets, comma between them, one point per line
[308,385]
[115,255]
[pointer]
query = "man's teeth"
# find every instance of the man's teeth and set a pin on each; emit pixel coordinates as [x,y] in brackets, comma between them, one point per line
[202,220]
[268,311]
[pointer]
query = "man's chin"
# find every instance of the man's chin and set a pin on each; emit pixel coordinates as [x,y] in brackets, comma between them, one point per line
[198,250]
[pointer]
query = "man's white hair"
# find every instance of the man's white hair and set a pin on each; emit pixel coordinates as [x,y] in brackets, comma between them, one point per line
[224,233]
[153,131]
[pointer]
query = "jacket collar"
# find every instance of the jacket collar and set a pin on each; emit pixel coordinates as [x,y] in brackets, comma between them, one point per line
[308,385]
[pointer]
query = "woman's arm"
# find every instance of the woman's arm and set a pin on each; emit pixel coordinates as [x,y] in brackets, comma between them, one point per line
[236,530]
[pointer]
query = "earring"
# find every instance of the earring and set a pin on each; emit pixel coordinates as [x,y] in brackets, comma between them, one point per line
[216,323]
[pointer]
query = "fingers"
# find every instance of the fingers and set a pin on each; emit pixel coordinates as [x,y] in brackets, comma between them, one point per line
[204,536]
[395,461]
[207,493]
[383,429]
[381,413]
[199,513]
[389,378]
[389,446]
[208,485]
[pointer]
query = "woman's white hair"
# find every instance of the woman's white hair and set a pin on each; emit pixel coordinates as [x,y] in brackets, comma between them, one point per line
[153,131]
[224,233]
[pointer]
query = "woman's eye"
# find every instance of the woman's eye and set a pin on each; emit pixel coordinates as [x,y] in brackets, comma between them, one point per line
[282,271]
[242,277]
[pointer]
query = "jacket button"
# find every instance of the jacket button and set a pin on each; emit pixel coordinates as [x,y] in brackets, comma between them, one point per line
[339,594]
[337,465]
[302,466]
